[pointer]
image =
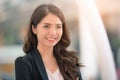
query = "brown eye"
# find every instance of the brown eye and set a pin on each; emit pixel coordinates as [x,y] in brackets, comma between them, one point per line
[45,26]
[59,26]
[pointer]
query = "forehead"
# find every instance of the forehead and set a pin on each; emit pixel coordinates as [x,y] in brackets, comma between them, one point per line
[51,18]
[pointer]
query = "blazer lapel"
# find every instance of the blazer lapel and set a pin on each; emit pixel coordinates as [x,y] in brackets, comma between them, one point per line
[39,63]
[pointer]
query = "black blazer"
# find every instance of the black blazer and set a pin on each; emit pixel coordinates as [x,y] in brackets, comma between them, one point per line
[31,67]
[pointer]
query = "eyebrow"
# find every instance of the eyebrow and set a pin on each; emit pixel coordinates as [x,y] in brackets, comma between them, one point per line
[50,24]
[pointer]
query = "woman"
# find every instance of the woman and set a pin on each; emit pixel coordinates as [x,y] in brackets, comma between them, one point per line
[45,47]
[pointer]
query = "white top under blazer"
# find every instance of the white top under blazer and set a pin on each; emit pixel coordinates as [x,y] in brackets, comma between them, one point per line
[54,76]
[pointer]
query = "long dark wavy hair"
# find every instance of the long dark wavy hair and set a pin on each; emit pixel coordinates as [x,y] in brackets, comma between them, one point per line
[67,60]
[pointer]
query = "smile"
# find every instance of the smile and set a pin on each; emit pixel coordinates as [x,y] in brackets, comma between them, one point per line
[51,39]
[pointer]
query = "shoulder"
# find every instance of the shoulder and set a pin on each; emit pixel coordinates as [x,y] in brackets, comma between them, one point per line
[28,59]
[24,63]
[25,60]
[23,67]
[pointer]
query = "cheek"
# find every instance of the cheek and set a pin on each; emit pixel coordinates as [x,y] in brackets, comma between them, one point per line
[61,33]
[39,36]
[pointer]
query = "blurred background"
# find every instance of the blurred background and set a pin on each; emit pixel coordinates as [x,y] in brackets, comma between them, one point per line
[14,19]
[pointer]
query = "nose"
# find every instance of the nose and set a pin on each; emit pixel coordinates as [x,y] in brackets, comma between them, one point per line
[52,32]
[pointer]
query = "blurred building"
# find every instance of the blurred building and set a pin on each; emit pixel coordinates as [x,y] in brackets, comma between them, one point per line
[110,12]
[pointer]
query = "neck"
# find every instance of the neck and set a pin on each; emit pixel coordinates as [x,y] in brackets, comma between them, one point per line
[45,52]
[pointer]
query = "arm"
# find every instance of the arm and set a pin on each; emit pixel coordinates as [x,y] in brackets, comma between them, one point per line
[22,71]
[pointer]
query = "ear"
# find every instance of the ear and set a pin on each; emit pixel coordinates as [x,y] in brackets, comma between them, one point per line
[33,29]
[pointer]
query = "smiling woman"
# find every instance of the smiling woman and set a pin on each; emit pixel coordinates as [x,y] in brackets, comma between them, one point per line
[48,31]
[47,57]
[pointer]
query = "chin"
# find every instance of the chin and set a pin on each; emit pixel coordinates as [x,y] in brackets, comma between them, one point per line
[52,45]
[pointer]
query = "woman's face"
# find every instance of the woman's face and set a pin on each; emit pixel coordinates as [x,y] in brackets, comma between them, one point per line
[49,30]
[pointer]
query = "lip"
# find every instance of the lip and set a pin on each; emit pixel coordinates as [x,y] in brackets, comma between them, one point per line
[51,39]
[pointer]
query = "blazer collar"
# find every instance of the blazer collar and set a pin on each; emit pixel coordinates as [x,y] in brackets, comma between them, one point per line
[39,63]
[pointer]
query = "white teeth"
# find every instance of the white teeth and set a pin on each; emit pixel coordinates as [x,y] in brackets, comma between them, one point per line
[51,38]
